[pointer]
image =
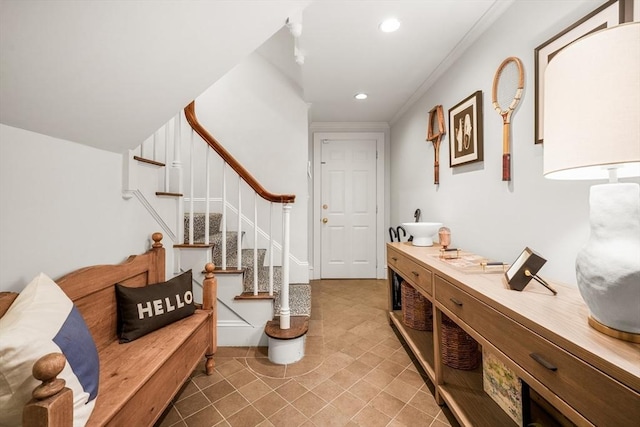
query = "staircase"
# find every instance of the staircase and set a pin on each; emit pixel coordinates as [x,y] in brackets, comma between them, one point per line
[250,283]
[299,293]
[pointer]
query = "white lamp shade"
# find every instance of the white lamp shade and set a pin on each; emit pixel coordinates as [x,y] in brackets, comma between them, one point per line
[592,106]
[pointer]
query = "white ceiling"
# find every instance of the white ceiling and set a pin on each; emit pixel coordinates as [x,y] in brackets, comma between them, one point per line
[109,73]
[346,53]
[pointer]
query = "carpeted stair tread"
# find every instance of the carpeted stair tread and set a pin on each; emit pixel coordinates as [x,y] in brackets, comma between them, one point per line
[263,279]
[199,220]
[299,294]
[299,300]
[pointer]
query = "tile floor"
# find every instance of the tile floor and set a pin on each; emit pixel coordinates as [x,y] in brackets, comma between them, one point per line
[355,373]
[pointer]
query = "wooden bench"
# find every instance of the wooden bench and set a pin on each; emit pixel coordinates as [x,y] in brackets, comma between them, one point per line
[137,379]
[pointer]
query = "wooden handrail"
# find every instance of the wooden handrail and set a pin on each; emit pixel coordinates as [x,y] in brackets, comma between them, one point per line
[190,114]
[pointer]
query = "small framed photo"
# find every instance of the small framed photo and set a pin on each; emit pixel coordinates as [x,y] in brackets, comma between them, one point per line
[612,13]
[524,269]
[465,131]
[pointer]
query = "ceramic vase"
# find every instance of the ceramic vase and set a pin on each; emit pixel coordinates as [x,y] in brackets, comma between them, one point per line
[608,267]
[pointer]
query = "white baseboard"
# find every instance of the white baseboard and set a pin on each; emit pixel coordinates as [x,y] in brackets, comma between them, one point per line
[235,333]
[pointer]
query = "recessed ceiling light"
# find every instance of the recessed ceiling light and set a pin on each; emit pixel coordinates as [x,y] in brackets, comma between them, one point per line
[389,25]
[361,96]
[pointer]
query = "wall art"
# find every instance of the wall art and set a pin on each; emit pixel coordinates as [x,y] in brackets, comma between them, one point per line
[465,131]
[435,132]
[508,85]
[611,13]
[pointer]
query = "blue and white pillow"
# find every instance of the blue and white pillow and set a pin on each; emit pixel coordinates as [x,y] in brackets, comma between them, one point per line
[44,320]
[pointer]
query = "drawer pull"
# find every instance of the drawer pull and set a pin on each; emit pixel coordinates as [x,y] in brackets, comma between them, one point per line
[394,258]
[456,301]
[543,362]
[415,273]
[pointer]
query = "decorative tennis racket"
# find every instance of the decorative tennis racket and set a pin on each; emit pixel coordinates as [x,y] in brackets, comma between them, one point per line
[508,84]
[435,130]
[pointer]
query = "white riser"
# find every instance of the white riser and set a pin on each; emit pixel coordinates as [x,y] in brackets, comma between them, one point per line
[255,312]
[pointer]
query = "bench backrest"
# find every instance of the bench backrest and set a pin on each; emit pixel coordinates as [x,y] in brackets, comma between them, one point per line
[92,289]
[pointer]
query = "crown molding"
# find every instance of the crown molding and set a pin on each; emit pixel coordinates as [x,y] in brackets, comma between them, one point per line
[482,24]
[349,126]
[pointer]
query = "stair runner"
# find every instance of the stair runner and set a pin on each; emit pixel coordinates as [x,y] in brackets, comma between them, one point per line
[299,293]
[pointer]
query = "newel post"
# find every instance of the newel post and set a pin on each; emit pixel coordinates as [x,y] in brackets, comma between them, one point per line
[209,302]
[285,312]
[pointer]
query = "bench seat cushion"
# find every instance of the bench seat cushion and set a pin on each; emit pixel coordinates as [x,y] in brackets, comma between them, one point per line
[137,379]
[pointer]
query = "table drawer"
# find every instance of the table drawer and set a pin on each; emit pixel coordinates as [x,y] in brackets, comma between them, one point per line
[595,395]
[413,273]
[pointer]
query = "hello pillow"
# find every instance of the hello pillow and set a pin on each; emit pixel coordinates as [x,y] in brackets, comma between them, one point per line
[44,320]
[144,309]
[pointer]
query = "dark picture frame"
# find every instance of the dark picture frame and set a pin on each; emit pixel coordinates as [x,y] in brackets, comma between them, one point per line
[525,268]
[612,13]
[529,261]
[465,131]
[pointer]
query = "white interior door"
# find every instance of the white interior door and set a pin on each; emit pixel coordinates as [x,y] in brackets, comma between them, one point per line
[348,208]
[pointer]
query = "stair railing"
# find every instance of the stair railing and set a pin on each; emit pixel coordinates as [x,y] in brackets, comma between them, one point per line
[284,200]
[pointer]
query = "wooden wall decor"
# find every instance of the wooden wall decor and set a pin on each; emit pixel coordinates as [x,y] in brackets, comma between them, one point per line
[435,131]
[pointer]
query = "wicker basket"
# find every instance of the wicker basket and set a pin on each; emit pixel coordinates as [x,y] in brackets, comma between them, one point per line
[417,311]
[459,350]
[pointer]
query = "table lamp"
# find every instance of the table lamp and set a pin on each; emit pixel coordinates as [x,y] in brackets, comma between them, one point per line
[592,131]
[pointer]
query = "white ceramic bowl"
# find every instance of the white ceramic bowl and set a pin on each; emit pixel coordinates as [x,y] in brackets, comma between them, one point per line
[422,232]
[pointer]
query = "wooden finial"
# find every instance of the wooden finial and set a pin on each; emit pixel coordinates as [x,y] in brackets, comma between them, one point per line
[208,270]
[157,237]
[46,369]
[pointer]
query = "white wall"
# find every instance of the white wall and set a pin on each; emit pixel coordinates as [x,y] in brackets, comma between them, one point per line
[486,215]
[61,208]
[259,116]
[61,202]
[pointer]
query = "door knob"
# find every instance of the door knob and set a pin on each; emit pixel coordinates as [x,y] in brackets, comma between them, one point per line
[325,220]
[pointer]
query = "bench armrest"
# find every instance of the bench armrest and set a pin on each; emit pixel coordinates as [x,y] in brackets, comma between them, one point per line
[52,402]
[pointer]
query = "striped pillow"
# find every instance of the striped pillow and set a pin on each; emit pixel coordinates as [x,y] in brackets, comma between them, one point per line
[44,320]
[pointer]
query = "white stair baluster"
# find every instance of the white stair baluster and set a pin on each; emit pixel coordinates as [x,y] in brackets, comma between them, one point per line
[239,238]
[157,145]
[176,181]
[154,144]
[224,215]
[191,179]
[271,249]
[255,244]
[207,221]
[285,312]
[167,135]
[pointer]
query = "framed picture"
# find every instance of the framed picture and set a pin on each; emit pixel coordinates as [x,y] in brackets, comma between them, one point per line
[611,13]
[525,268]
[465,131]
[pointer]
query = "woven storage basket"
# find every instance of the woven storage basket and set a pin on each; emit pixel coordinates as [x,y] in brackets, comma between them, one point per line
[417,311]
[459,350]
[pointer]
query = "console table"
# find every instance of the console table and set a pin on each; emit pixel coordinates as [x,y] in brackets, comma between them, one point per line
[580,374]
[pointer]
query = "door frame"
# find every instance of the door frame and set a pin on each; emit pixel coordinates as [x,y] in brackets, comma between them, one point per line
[380,196]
